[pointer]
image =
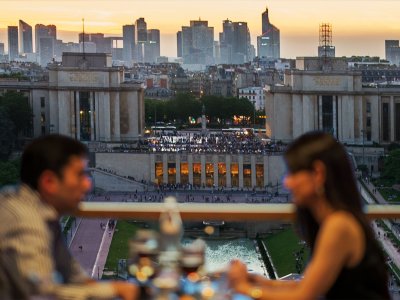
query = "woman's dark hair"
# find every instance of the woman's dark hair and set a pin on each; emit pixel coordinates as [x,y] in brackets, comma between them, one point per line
[340,185]
[51,152]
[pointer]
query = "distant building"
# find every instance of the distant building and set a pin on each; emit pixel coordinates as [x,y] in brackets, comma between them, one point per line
[45,49]
[217,52]
[326,51]
[96,43]
[234,46]
[61,47]
[255,95]
[268,43]
[1,49]
[25,37]
[392,51]
[141,39]
[226,39]
[336,102]
[152,47]
[46,54]
[44,31]
[197,43]
[87,47]
[12,32]
[179,43]
[85,98]
[128,33]
[241,43]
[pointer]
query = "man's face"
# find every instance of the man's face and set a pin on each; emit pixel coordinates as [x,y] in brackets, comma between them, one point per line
[72,185]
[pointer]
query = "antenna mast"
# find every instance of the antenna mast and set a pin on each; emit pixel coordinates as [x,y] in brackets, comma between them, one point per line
[83,37]
[325,40]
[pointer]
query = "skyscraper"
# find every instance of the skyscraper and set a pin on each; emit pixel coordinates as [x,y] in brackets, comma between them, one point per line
[12,32]
[179,43]
[46,53]
[226,42]
[1,49]
[45,49]
[95,42]
[128,34]
[197,43]
[152,47]
[392,51]
[235,44]
[241,43]
[141,38]
[25,37]
[268,43]
[44,31]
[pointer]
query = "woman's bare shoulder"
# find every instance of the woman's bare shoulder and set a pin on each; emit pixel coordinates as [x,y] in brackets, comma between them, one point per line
[343,222]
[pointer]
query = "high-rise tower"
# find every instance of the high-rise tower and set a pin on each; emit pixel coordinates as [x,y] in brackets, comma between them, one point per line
[25,37]
[141,38]
[44,31]
[128,33]
[226,38]
[268,43]
[197,43]
[152,47]
[45,40]
[392,51]
[234,42]
[12,32]
[241,42]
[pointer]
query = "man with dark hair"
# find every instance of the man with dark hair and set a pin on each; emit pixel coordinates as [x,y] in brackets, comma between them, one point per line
[53,182]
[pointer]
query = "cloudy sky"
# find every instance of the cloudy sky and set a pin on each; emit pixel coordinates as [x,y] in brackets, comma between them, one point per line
[359,26]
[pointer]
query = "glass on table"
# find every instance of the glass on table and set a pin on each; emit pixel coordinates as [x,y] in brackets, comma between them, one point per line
[193,257]
[143,253]
[191,263]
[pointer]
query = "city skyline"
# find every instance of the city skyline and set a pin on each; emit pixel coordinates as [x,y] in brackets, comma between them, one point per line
[359,27]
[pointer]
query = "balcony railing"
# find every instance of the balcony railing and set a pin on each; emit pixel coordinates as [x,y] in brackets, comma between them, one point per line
[206,211]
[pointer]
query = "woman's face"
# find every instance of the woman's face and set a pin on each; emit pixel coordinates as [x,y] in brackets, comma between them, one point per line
[302,185]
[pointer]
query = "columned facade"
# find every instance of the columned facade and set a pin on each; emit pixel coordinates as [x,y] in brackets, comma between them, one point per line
[89,100]
[85,98]
[227,171]
[334,102]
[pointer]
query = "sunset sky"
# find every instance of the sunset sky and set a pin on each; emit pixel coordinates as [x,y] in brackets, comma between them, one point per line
[359,26]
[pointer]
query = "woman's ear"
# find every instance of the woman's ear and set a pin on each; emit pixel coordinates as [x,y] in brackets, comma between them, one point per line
[320,172]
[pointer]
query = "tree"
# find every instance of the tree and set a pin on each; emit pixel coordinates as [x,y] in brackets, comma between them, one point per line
[7,136]
[179,109]
[184,106]
[226,108]
[9,172]
[17,107]
[391,169]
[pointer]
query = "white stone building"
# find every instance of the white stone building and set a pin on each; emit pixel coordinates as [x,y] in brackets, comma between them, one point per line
[208,170]
[85,98]
[255,95]
[333,99]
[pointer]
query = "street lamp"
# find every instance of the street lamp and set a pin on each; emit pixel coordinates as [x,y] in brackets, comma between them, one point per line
[155,116]
[254,114]
[363,150]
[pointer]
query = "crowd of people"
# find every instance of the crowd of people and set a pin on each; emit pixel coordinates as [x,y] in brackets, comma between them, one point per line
[232,143]
[197,197]
[188,142]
